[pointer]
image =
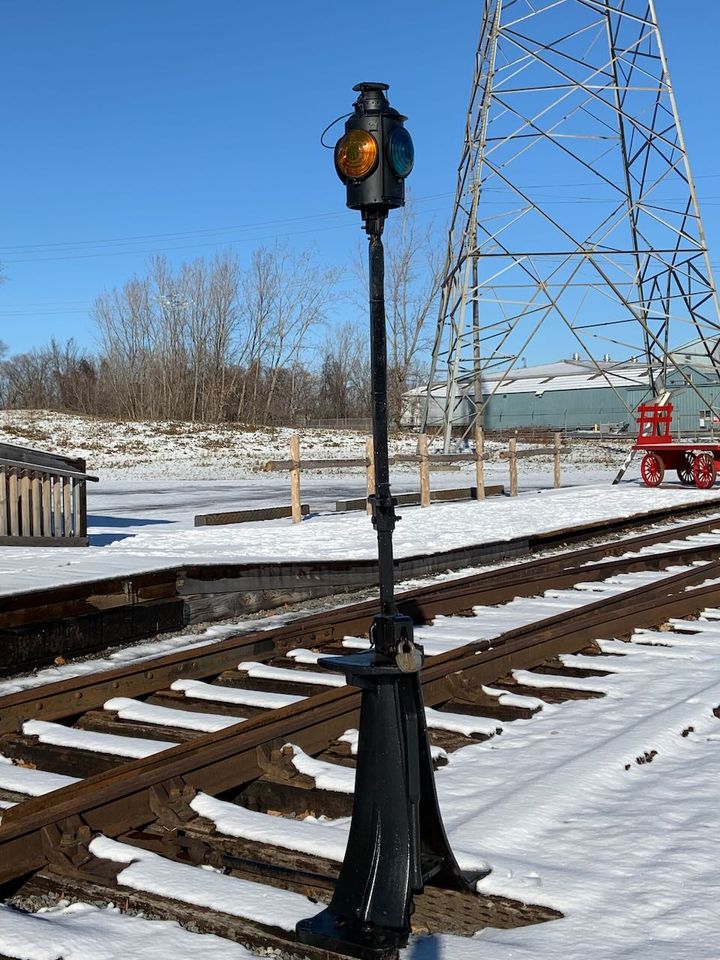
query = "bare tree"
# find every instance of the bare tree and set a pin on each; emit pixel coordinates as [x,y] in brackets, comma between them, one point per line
[56,377]
[74,377]
[344,376]
[205,341]
[167,339]
[284,296]
[223,311]
[125,324]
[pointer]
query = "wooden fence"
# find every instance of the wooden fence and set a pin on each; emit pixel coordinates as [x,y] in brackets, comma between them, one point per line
[43,498]
[423,458]
[513,455]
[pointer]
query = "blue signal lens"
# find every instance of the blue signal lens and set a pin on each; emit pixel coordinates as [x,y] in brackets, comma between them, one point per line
[401,152]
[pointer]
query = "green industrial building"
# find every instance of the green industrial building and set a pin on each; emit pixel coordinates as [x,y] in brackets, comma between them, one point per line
[582,394]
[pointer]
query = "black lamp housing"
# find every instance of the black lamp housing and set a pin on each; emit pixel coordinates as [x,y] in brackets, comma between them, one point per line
[383,188]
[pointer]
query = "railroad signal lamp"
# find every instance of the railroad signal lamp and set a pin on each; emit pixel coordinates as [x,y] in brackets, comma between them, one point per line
[375,154]
[397,841]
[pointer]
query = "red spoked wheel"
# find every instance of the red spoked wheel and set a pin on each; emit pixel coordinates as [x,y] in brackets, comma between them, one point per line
[685,472]
[652,470]
[704,471]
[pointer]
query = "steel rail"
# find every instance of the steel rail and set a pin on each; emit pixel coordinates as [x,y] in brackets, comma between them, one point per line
[122,799]
[77,694]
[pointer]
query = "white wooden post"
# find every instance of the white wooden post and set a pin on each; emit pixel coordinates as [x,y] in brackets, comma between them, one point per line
[424,470]
[512,459]
[480,462]
[14,497]
[57,507]
[25,503]
[295,478]
[36,505]
[67,507]
[3,502]
[47,505]
[556,477]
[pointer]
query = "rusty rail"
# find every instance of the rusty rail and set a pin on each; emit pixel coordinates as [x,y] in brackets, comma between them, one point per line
[65,697]
[123,798]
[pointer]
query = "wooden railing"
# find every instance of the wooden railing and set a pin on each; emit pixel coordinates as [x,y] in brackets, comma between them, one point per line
[424,459]
[513,455]
[294,465]
[43,498]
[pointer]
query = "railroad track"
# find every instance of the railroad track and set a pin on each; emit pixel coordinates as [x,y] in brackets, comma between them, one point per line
[176,763]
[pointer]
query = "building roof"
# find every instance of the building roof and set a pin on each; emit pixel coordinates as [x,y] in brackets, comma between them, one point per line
[583,374]
[560,375]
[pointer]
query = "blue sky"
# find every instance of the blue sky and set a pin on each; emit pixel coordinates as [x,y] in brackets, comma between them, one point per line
[195,126]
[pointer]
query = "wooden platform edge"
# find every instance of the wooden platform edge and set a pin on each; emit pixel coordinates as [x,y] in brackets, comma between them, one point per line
[248,516]
[44,541]
[412,499]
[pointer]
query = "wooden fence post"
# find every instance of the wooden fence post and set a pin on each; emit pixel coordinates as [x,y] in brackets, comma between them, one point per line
[424,470]
[25,503]
[556,477]
[36,505]
[480,462]
[370,471]
[13,505]
[57,507]
[47,505]
[3,503]
[512,459]
[295,478]
[67,507]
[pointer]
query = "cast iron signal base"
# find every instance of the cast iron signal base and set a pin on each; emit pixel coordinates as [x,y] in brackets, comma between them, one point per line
[397,841]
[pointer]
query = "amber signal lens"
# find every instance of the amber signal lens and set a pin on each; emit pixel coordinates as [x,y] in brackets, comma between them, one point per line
[356,155]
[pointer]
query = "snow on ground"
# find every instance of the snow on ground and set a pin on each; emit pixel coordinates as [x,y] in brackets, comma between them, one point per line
[119,449]
[602,809]
[141,712]
[565,807]
[156,477]
[570,814]
[447,632]
[207,888]
[153,539]
[64,736]
[27,780]
[82,932]
[200,690]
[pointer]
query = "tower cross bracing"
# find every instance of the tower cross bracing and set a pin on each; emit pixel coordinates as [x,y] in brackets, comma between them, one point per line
[576,224]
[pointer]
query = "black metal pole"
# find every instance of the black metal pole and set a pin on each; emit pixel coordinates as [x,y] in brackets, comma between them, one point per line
[383,505]
[397,841]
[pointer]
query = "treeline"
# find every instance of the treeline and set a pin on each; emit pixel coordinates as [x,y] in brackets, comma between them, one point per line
[214,341]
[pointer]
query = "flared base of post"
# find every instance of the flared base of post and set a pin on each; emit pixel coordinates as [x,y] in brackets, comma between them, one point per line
[331,931]
[397,841]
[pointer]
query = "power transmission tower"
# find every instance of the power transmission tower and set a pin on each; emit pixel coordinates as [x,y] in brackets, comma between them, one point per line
[576,223]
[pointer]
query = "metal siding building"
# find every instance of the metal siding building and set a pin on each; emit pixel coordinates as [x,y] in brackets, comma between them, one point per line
[554,409]
[575,394]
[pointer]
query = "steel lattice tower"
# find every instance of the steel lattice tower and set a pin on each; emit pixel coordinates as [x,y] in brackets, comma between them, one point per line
[576,221]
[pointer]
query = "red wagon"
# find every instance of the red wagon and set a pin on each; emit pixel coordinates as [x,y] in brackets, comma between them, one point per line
[696,464]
